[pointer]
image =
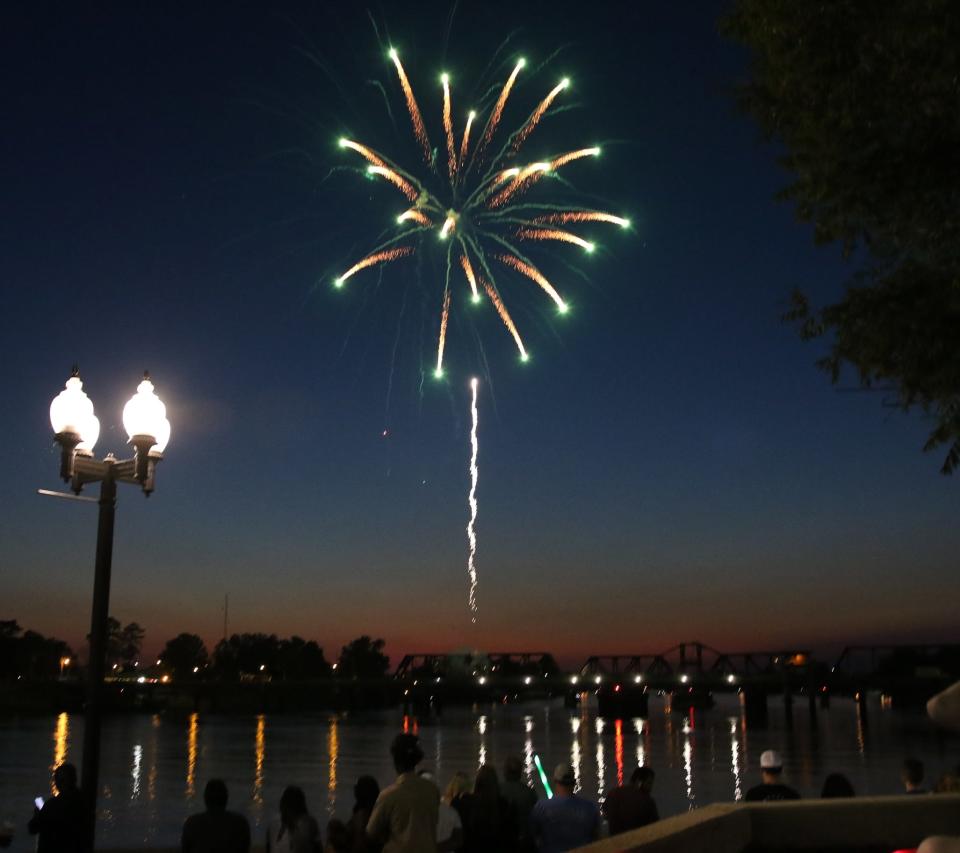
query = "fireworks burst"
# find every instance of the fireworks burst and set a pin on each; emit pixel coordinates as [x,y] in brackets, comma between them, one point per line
[475,209]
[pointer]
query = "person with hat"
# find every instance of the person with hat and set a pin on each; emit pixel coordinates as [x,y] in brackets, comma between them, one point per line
[404,818]
[565,821]
[771,768]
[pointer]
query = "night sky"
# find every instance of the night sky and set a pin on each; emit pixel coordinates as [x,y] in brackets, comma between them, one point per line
[669,466]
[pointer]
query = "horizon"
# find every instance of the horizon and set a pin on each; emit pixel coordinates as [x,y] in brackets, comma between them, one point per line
[669,464]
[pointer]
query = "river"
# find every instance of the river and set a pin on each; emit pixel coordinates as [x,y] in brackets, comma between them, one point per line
[154,767]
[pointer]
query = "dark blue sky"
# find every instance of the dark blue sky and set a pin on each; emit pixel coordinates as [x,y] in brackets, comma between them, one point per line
[669,465]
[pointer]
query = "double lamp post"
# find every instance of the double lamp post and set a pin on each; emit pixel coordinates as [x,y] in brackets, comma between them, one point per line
[76,430]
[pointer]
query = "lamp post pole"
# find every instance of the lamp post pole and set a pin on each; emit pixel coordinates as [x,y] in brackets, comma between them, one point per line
[90,774]
[76,430]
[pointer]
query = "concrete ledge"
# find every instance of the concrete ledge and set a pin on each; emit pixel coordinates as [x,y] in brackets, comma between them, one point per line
[859,823]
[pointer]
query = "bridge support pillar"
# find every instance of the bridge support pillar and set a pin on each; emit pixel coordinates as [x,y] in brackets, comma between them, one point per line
[755,706]
[622,703]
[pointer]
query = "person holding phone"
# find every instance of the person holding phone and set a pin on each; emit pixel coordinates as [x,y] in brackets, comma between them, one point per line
[58,822]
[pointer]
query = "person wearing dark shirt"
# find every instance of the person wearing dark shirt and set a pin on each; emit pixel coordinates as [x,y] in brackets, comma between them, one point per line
[912,776]
[836,785]
[771,768]
[485,815]
[566,821]
[59,825]
[521,799]
[631,806]
[216,830]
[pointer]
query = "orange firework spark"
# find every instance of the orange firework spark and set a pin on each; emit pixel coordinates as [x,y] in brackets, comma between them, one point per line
[537,114]
[448,128]
[444,315]
[497,113]
[403,185]
[521,182]
[468,272]
[364,152]
[504,315]
[374,259]
[534,274]
[419,129]
[416,215]
[465,143]
[583,216]
[555,234]
[569,157]
[486,216]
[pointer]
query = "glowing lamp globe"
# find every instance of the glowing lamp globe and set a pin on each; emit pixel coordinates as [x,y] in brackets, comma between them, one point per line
[145,417]
[71,413]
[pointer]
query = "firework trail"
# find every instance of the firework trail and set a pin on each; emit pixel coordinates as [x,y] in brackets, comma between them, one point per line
[468,272]
[448,128]
[403,185]
[528,126]
[373,260]
[465,144]
[534,274]
[419,129]
[444,316]
[497,113]
[555,234]
[505,317]
[472,502]
[583,216]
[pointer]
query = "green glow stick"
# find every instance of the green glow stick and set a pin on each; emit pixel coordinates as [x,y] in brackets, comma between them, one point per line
[543,777]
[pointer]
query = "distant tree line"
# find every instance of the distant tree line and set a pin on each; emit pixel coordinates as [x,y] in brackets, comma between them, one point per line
[28,654]
[185,657]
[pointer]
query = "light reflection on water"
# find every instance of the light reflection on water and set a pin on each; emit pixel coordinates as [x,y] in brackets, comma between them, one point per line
[333,752]
[193,727]
[61,745]
[699,758]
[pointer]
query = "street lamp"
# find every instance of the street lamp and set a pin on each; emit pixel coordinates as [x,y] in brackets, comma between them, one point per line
[76,430]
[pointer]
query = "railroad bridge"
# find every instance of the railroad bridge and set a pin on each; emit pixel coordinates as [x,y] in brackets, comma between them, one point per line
[688,673]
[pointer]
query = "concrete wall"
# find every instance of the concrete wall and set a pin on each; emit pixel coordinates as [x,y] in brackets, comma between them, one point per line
[887,823]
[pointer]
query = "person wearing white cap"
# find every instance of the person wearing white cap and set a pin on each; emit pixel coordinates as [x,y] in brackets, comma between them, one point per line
[771,767]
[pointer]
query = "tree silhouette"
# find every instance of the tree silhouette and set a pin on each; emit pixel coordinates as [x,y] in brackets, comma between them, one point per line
[183,654]
[863,97]
[363,658]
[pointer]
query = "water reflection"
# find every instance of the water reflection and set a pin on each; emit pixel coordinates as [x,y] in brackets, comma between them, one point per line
[618,749]
[576,758]
[152,772]
[638,727]
[333,752]
[735,760]
[482,728]
[259,754]
[135,772]
[61,745]
[601,763]
[528,749]
[688,762]
[192,730]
